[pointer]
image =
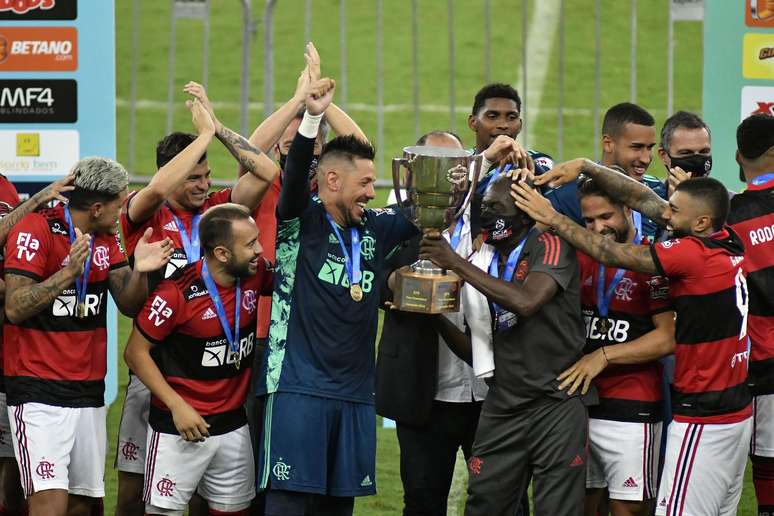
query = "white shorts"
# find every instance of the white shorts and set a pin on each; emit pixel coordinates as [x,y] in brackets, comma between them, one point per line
[133,430]
[703,469]
[623,457]
[220,469]
[762,441]
[60,448]
[6,443]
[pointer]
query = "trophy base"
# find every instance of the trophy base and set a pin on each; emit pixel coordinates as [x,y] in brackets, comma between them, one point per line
[426,293]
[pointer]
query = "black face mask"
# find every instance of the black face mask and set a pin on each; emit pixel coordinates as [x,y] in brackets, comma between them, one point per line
[495,228]
[698,165]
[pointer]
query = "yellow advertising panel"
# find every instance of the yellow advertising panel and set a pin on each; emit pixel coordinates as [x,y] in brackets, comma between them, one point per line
[758,56]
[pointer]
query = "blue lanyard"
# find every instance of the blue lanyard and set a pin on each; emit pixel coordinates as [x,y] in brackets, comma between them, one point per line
[605,296]
[765,178]
[637,220]
[352,263]
[212,289]
[457,234]
[510,264]
[81,282]
[496,173]
[191,245]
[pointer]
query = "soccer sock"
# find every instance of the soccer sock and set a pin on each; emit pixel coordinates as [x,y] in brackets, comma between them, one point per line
[763,480]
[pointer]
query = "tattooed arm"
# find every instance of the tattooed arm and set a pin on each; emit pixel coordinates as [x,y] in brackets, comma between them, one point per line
[631,192]
[52,192]
[620,186]
[251,187]
[27,297]
[628,256]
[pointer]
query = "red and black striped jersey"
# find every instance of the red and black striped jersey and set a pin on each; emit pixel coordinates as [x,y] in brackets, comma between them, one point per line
[54,357]
[752,218]
[9,199]
[708,290]
[164,225]
[191,349]
[265,216]
[627,392]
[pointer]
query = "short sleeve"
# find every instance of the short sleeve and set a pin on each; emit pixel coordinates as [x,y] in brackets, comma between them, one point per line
[265,277]
[658,294]
[158,317]
[219,197]
[28,247]
[393,227]
[117,253]
[555,257]
[132,230]
[678,257]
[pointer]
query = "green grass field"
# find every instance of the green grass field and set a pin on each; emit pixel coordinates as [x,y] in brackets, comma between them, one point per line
[506,45]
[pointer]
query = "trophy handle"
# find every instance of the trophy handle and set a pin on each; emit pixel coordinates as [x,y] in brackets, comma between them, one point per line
[396,163]
[477,163]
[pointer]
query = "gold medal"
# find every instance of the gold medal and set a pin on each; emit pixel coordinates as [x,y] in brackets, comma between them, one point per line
[80,310]
[356,292]
[604,326]
[236,363]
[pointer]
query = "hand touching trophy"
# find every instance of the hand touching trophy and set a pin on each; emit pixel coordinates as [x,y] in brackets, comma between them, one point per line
[439,189]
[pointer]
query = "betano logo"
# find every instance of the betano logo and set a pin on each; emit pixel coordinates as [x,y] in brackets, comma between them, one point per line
[38,49]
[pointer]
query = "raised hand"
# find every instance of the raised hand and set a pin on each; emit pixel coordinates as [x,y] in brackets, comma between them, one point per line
[505,149]
[302,85]
[198,92]
[435,248]
[54,191]
[79,252]
[532,202]
[562,173]
[676,176]
[312,58]
[152,256]
[201,118]
[320,96]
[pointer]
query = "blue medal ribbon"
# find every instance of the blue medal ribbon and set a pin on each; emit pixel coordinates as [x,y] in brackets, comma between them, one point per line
[508,271]
[496,173]
[637,221]
[352,262]
[212,289]
[765,178]
[191,245]
[457,234]
[604,296]
[81,282]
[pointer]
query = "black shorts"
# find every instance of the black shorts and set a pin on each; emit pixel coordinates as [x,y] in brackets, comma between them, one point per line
[547,443]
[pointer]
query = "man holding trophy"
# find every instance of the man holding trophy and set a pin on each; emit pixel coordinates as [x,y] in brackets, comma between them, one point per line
[534,331]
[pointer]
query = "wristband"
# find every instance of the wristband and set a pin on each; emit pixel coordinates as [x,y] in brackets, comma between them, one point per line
[605,355]
[309,125]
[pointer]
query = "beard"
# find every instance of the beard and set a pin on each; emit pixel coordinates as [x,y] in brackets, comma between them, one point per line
[678,233]
[239,269]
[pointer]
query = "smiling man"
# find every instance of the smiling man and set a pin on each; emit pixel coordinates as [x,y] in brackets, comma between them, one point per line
[709,438]
[172,204]
[319,444]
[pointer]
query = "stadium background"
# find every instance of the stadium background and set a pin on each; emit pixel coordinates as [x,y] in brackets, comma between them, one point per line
[145,53]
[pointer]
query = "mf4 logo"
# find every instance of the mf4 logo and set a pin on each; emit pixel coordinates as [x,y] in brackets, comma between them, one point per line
[335,273]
